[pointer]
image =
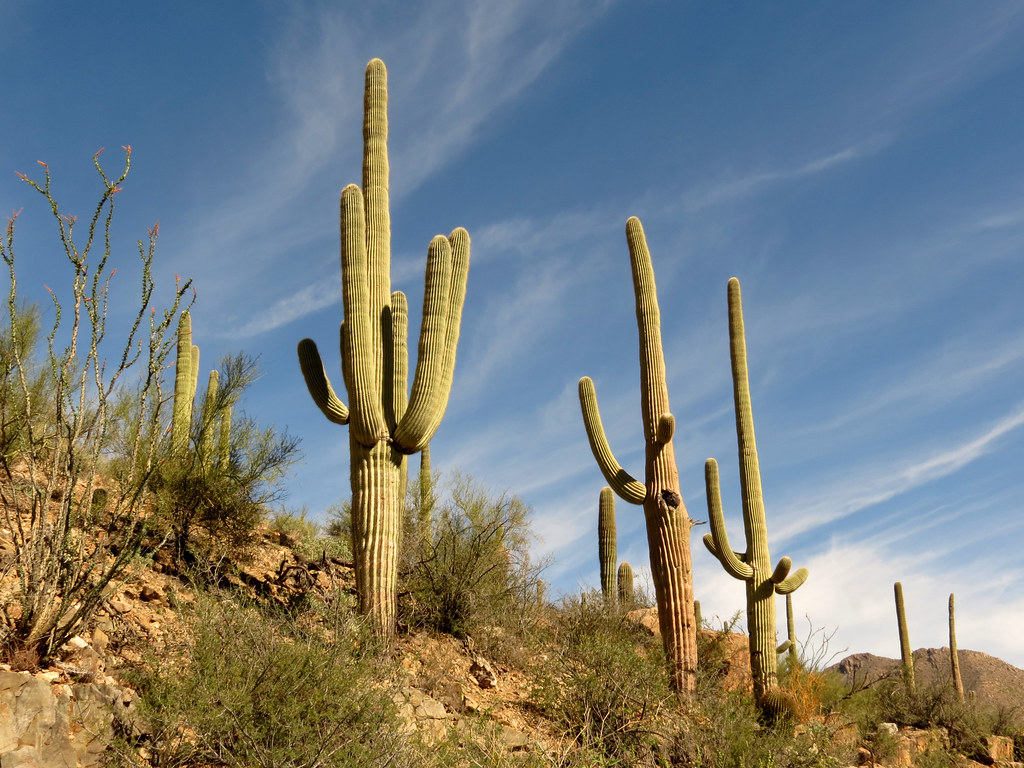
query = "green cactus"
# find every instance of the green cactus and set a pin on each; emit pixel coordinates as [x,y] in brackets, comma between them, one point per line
[906,654]
[206,447]
[753,566]
[386,422]
[789,645]
[668,525]
[606,542]
[625,584]
[954,657]
[185,377]
[697,618]
[426,490]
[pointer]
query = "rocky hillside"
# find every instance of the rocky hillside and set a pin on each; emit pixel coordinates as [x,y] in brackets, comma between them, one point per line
[992,681]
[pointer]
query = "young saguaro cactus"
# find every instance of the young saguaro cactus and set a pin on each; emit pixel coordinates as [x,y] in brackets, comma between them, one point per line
[606,542]
[386,422]
[753,566]
[668,525]
[625,584]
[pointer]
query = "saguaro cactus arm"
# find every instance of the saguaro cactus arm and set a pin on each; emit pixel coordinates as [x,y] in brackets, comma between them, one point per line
[319,385]
[717,541]
[444,296]
[364,388]
[787,585]
[625,485]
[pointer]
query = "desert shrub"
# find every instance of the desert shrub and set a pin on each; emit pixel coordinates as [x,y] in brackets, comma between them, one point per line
[59,398]
[603,681]
[209,508]
[262,689]
[469,566]
[929,706]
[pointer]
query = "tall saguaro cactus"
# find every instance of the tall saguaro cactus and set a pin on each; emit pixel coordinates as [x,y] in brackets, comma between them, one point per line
[668,525]
[753,566]
[607,550]
[954,657]
[386,422]
[906,654]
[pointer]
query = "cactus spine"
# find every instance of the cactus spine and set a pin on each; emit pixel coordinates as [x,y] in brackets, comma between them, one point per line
[606,543]
[954,658]
[625,584]
[906,654]
[668,525]
[753,566]
[386,422]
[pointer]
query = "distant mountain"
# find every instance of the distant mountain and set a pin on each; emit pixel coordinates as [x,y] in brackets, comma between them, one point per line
[994,682]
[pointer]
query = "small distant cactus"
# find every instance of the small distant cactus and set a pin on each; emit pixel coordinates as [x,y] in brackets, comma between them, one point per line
[698,619]
[625,584]
[752,566]
[906,654]
[606,542]
[789,645]
[954,657]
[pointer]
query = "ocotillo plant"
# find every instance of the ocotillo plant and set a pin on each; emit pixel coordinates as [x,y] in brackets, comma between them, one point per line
[753,566]
[906,654]
[185,378]
[386,422]
[668,525]
[606,543]
[625,584]
[954,657]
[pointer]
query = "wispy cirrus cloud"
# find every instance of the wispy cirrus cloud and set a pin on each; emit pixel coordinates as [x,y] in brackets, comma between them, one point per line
[873,485]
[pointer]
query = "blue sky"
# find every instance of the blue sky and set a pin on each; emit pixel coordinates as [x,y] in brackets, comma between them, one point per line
[859,167]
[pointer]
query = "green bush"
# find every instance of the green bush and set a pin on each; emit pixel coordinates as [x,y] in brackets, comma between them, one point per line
[603,681]
[259,689]
[469,566]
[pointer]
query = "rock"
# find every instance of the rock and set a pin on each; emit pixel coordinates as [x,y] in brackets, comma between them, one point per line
[100,640]
[647,618]
[150,594]
[481,670]
[119,606]
[44,725]
[999,747]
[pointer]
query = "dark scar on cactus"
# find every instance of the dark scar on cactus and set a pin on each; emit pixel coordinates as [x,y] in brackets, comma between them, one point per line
[671,498]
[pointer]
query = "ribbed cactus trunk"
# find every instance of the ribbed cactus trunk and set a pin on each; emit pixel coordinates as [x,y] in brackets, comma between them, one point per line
[954,657]
[625,585]
[906,653]
[753,566]
[607,549]
[386,421]
[668,525]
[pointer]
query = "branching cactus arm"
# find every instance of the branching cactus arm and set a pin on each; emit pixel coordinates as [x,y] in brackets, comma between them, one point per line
[319,385]
[625,485]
